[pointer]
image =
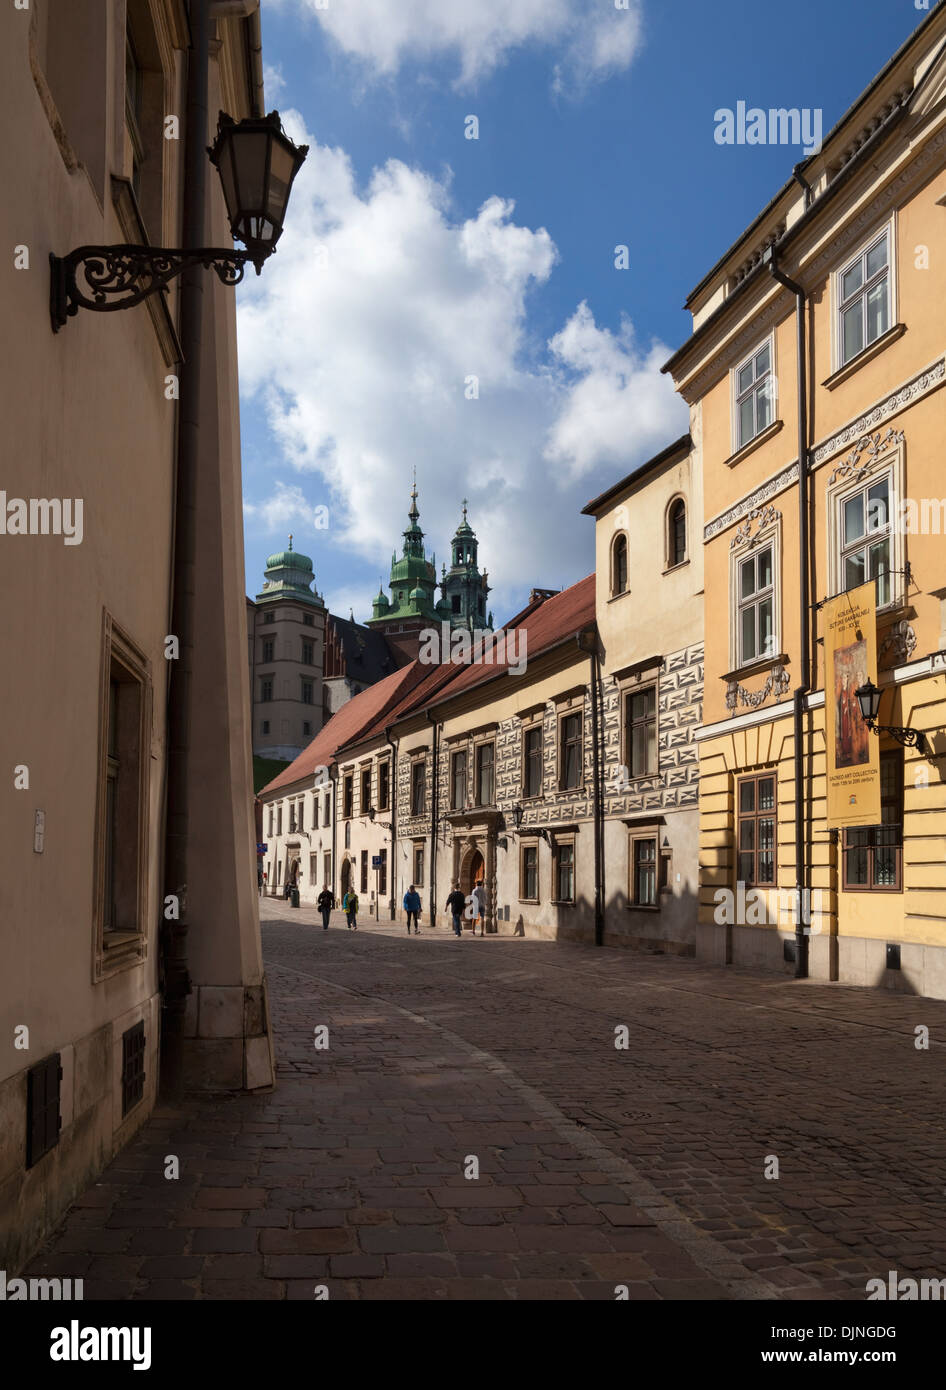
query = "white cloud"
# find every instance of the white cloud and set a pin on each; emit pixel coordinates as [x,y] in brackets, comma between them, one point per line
[358,340]
[596,36]
[287,509]
[274,84]
[617,401]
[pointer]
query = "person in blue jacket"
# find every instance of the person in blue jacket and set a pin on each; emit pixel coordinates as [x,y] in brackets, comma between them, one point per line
[412,908]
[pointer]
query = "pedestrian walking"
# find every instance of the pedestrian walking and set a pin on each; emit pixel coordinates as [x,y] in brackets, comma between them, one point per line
[260,878]
[412,908]
[325,902]
[479,907]
[456,903]
[350,908]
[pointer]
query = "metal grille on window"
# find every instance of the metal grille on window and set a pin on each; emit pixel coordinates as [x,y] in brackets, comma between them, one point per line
[43,1121]
[133,1066]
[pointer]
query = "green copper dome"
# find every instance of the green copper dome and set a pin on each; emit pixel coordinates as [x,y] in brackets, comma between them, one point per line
[289,575]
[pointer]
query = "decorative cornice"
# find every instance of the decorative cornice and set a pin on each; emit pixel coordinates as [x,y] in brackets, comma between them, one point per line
[873,446]
[928,380]
[763,515]
[776,683]
[752,503]
[739,345]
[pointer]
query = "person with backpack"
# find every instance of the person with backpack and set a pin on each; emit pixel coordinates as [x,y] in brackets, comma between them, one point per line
[456,903]
[325,902]
[350,909]
[412,908]
[479,906]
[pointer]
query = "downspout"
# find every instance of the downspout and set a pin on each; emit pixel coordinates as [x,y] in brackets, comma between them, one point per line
[393,747]
[434,823]
[804,686]
[800,179]
[176,975]
[333,777]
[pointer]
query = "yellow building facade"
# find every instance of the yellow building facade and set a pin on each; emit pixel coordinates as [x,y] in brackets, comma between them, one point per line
[814,376]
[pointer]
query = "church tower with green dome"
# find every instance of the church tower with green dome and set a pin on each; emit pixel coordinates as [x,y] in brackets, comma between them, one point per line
[413,584]
[464,589]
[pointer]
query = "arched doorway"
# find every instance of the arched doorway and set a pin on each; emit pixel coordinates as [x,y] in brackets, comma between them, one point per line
[346,876]
[295,867]
[472,871]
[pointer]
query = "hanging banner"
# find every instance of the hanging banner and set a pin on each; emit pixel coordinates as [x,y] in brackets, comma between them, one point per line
[850,648]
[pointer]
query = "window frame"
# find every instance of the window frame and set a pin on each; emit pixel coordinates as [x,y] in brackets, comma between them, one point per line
[619,539]
[420,763]
[364,790]
[536,726]
[530,846]
[636,838]
[737,396]
[575,711]
[756,815]
[839,306]
[672,560]
[768,534]
[479,750]
[455,756]
[560,843]
[890,463]
[418,857]
[888,756]
[384,784]
[348,795]
[627,693]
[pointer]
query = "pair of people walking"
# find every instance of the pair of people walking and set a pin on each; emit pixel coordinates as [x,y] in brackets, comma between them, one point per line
[456,906]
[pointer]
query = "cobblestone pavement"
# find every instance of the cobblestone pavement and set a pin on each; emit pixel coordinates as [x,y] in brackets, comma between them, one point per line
[598,1165]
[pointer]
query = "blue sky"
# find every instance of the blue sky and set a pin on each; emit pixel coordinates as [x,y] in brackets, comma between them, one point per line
[414,258]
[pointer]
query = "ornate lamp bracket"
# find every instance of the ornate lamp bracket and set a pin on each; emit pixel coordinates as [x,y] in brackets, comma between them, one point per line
[106,278]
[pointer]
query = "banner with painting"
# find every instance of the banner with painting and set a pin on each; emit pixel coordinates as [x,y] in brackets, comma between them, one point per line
[850,645]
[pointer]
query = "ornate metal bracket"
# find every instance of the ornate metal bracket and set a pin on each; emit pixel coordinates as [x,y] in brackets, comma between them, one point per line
[106,278]
[909,738]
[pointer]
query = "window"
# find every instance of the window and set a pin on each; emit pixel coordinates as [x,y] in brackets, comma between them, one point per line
[640,731]
[529,874]
[270,822]
[644,871]
[365,790]
[873,854]
[563,871]
[307,693]
[308,620]
[458,780]
[348,795]
[268,647]
[418,866]
[327,809]
[754,395]
[264,727]
[308,650]
[532,761]
[134,78]
[677,533]
[43,1121]
[266,690]
[301,815]
[121,825]
[133,1066]
[278,820]
[269,617]
[383,874]
[454,603]
[306,727]
[485,755]
[313,870]
[756,607]
[315,810]
[569,762]
[865,537]
[619,565]
[384,786]
[327,869]
[418,787]
[755,830]
[364,871]
[292,818]
[864,299]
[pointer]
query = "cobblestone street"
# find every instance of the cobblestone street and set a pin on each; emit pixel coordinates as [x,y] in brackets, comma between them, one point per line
[598,1166]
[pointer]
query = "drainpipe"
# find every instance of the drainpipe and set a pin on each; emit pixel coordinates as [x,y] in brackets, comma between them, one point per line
[434,824]
[799,178]
[804,685]
[393,747]
[333,778]
[175,973]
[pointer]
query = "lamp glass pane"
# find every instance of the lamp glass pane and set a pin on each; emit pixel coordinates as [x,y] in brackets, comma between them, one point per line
[250,148]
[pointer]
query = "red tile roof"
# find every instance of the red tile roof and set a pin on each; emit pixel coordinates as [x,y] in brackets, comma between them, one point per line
[346,724]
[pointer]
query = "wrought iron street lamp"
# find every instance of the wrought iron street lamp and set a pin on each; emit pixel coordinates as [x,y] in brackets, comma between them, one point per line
[517,814]
[868,698]
[257,163]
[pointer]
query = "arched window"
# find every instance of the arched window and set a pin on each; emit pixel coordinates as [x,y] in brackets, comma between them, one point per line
[676,533]
[619,565]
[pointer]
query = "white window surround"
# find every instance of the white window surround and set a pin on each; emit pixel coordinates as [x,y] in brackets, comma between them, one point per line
[771,533]
[890,228]
[734,392]
[889,463]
